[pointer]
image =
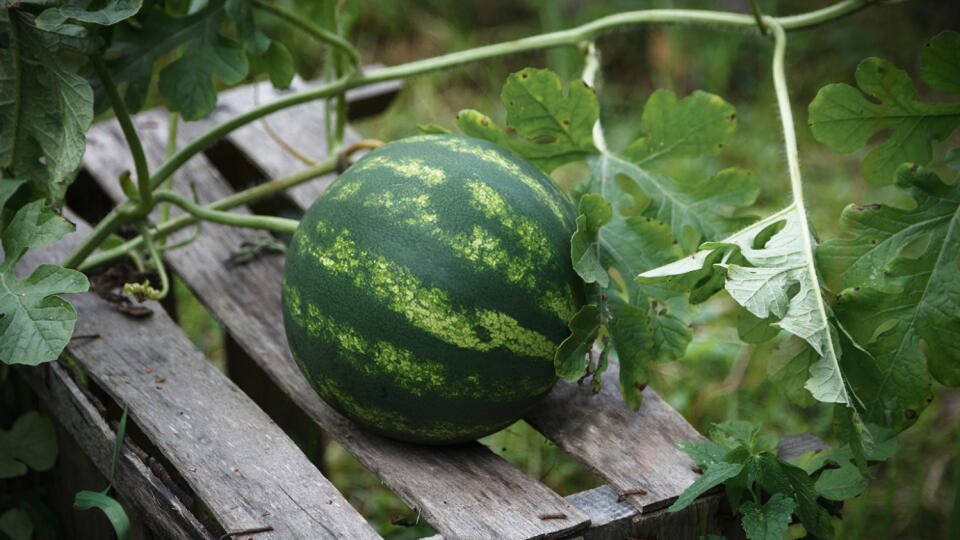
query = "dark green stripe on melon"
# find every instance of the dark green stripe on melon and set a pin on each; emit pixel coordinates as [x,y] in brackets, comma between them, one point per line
[426,290]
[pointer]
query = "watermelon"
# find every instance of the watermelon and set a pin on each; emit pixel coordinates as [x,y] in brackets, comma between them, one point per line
[426,290]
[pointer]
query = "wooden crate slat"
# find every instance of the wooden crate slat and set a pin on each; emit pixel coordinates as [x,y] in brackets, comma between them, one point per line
[152,500]
[464,491]
[301,127]
[238,461]
[635,452]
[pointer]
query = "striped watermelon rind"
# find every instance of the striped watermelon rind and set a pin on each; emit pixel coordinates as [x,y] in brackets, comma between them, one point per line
[426,290]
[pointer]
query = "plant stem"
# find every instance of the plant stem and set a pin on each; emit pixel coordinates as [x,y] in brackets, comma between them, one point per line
[796,185]
[172,124]
[270,223]
[201,142]
[589,30]
[157,261]
[129,133]
[118,216]
[237,199]
[316,32]
[572,36]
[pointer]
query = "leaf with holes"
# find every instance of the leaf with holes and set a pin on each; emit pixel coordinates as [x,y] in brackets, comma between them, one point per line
[777,280]
[900,285]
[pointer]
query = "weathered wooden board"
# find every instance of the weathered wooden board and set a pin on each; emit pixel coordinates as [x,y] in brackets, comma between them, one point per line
[245,469]
[145,496]
[464,491]
[300,128]
[635,452]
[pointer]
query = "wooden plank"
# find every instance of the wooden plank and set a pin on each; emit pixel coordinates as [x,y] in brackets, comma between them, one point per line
[464,491]
[791,447]
[143,493]
[241,464]
[634,452]
[614,519]
[300,128]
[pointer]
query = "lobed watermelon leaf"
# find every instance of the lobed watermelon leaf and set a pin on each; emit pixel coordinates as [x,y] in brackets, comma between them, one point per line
[553,128]
[775,279]
[845,118]
[900,295]
[694,126]
[35,323]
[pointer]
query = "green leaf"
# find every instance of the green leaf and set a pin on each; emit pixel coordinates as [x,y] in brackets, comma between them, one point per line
[571,354]
[84,500]
[110,12]
[35,324]
[16,524]
[241,12]
[118,443]
[840,484]
[768,471]
[815,518]
[45,107]
[793,375]
[941,62]
[848,431]
[277,63]
[770,521]
[695,126]
[629,331]
[844,118]
[777,281]
[690,210]
[585,244]
[31,441]
[187,83]
[901,286]
[704,453]
[33,225]
[553,128]
[712,477]
[755,330]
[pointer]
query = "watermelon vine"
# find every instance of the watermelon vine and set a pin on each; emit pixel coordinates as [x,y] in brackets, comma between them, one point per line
[878,326]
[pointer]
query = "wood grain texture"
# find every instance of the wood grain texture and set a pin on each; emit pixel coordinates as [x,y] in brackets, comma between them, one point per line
[148,501]
[464,491]
[245,469]
[634,452]
[791,447]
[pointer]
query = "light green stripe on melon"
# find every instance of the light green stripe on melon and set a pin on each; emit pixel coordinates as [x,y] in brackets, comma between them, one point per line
[482,247]
[428,309]
[415,375]
[412,168]
[485,199]
[489,155]
[393,421]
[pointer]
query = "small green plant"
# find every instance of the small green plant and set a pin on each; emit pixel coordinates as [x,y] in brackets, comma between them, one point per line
[85,500]
[875,315]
